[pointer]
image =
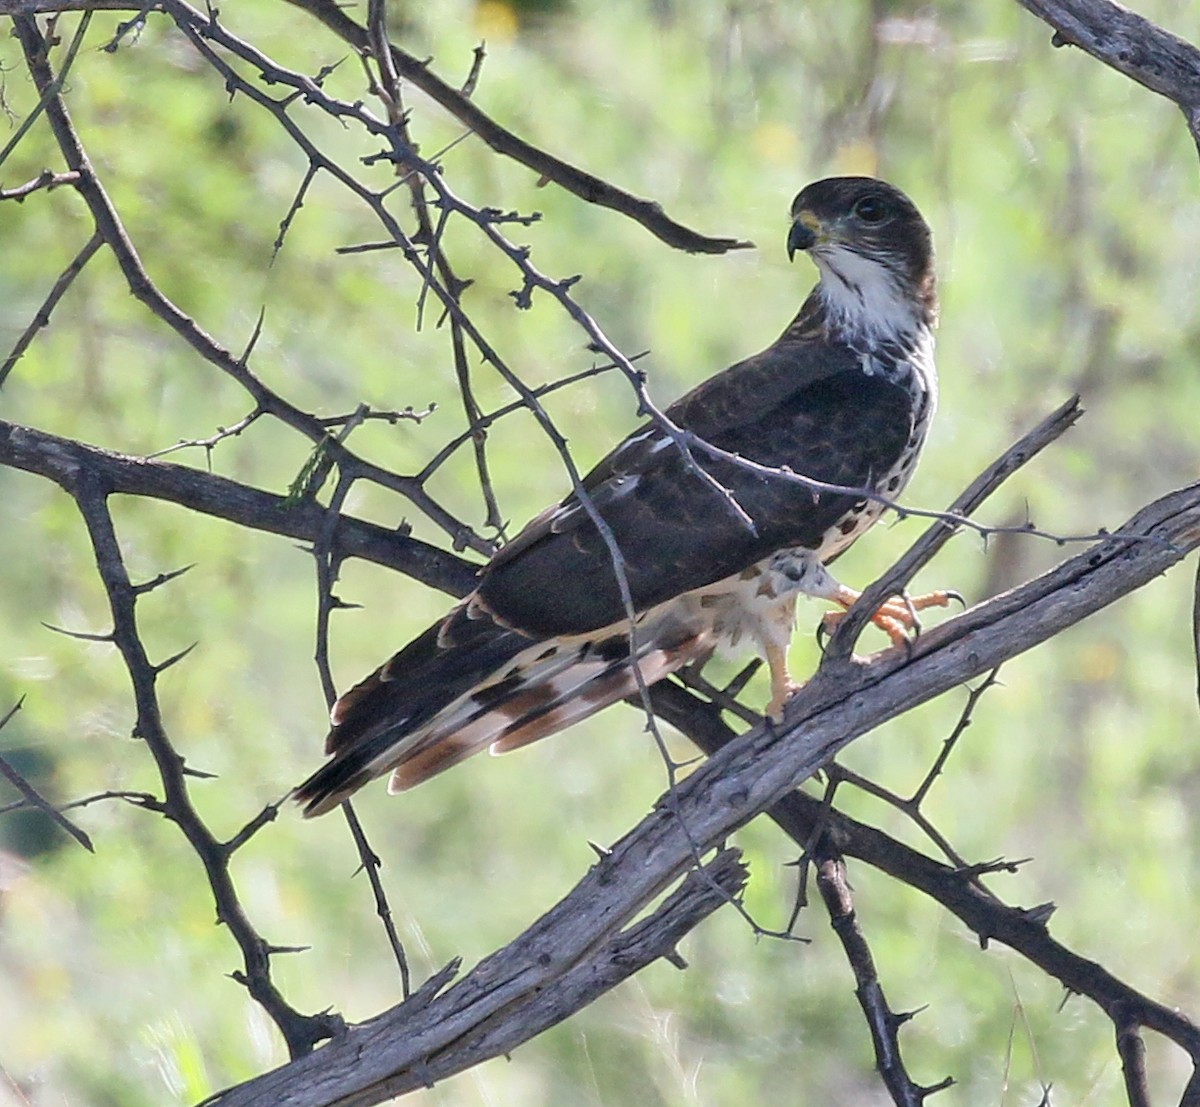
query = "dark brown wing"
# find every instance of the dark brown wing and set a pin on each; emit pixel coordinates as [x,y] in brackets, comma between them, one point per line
[801,404]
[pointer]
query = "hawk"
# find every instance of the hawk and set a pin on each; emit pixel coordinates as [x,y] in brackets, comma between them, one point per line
[843,397]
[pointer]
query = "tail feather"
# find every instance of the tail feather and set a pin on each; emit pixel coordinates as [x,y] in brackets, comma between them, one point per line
[374,722]
[469,684]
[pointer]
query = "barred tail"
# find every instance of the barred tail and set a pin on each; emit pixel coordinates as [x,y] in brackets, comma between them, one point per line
[469,684]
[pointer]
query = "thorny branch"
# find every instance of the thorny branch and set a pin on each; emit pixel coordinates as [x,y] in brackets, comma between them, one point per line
[34,799]
[803,817]
[547,166]
[41,317]
[36,451]
[755,772]
[301,1032]
[883,1022]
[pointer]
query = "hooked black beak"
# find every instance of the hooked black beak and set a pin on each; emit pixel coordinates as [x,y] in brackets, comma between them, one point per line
[800,237]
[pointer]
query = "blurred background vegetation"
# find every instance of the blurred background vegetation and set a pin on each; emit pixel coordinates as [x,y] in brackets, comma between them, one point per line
[1063,202]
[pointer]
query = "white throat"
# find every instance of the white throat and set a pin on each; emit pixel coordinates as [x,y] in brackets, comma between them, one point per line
[864,298]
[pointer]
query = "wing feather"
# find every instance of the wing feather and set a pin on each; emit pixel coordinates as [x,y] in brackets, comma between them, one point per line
[801,405]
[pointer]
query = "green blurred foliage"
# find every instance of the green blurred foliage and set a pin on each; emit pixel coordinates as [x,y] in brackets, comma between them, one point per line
[1063,201]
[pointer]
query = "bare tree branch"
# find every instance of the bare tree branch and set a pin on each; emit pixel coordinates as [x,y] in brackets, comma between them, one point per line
[32,797]
[802,817]
[44,180]
[1130,44]
[54,457]
[755,771]
[301,1032]
[547,166]
[884,1023]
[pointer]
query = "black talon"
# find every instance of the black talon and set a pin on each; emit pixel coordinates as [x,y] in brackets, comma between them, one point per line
[822,641]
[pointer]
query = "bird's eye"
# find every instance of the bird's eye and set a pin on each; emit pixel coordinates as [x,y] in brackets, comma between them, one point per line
[871,209]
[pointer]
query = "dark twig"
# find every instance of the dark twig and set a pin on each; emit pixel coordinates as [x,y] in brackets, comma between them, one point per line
[1132,1051]
[366,415]
[44,180]
[41,317]
[285,223]
[33,798]
[209,444]
[811,851]
[143,800]
[584,185]
[486,420]
[264,818]
[841,774]
[389,90]
[912,805]
[935,537]
[964,721]
[371,865]
[328,566]
[883,1023]
[477,58]
[1196,628]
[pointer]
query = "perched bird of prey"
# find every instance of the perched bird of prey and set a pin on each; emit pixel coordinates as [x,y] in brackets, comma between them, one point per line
[844,396]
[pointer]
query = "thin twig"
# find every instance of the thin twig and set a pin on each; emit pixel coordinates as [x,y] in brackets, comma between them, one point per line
[45,180]
[964,721]
[32,797]
[371,865]
[945,525]
[41,317]
[882,1022]
[285,223]
[584,185]
[209,444]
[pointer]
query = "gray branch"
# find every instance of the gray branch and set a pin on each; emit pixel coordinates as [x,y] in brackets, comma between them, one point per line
[373,1061]
[48,455]
[1130,44]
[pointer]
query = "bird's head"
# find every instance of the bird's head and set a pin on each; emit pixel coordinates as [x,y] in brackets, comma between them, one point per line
[874,253]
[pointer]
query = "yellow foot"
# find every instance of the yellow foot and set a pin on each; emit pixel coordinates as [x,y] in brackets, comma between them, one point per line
[779,699]
[783,688]
[896,617]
